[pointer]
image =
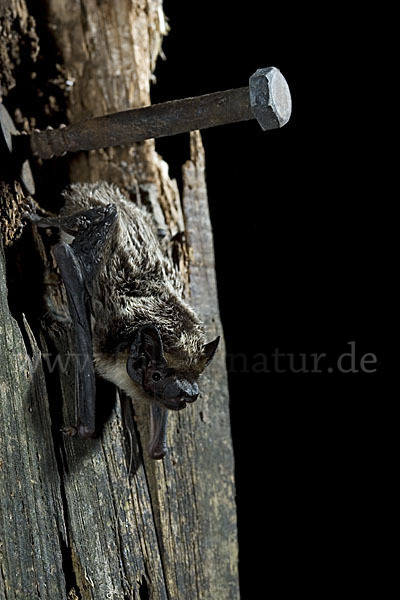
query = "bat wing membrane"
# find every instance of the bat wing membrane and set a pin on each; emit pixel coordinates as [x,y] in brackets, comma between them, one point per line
[78,263]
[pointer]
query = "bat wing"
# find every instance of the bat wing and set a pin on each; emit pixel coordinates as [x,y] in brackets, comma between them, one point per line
[78,263]
[78,304]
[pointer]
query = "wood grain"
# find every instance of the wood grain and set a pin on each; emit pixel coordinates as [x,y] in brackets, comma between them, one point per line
[96,519]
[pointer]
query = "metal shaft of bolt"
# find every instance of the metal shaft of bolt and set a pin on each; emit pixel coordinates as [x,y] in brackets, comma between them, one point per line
[267,99]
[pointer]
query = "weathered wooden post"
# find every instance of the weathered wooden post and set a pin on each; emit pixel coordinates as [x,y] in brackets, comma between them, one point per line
[97,519]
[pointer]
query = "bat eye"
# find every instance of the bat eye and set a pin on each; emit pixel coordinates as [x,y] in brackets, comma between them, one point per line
[156,376]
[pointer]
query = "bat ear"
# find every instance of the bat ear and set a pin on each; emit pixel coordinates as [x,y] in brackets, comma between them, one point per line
[146,349]
[210,349]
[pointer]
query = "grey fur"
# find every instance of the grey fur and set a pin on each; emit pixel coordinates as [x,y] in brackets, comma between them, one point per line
[136,284]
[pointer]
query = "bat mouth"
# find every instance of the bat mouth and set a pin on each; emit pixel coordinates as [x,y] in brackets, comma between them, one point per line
[179,404]
[174,403]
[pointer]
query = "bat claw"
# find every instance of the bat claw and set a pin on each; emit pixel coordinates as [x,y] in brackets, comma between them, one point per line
[69,430]
[77,430]
[85,432]
[30,216]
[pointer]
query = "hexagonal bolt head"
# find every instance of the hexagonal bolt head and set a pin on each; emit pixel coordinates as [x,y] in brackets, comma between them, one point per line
[270,98]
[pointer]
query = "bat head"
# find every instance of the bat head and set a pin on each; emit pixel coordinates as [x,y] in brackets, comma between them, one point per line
[148,366]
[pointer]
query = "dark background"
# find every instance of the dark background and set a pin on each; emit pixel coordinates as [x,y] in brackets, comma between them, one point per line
[303,220]
[300,218]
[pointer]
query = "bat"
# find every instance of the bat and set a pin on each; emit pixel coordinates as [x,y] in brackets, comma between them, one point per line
[129,315]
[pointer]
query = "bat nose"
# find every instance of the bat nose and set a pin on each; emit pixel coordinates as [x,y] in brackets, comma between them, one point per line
[190,394]
[181,391]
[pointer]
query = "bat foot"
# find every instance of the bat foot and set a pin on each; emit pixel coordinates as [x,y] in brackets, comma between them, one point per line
[69,430]
[40,221]
[85,432]
[82,431]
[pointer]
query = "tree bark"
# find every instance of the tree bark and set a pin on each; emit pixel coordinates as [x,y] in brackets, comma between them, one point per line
[98,519]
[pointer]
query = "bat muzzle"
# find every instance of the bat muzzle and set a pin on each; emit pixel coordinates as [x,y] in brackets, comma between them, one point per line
[178,393]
